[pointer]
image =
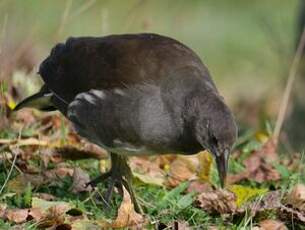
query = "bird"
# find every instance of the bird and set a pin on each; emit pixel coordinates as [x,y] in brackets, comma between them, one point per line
[135,95]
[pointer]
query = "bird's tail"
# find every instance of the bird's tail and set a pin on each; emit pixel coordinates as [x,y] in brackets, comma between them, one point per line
[40,100]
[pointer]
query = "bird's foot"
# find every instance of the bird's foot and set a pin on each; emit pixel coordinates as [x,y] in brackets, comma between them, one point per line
[118,176]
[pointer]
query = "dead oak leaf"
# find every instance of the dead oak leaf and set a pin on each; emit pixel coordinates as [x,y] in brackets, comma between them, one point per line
[126,216]
[36,214]
[219,201]
[17,215]
[181,169]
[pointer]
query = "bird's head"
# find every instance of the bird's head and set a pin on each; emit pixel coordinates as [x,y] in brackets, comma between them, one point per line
[215,130]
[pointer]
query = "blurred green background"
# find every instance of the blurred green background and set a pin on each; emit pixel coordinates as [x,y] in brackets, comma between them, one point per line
[247,45]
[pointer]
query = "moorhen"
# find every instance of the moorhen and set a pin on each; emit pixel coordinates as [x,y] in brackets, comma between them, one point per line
[136,94]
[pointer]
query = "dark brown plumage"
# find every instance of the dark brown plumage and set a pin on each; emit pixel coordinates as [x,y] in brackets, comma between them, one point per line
[136,94]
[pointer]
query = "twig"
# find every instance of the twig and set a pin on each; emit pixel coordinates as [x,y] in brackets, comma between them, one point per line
[22,142]
[287,92]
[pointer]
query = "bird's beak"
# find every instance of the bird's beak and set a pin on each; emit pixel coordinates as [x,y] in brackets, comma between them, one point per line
[40,100]
[222,165]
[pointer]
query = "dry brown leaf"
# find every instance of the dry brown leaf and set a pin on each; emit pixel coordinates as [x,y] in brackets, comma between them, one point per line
[36,214]
[258,165]
[296,197]
[53,213]
[127,216]
[218,201]
[17,215]
[80,181]
[164,160]
[272,225]
[179,225]
[46,205]
[199,187]
[44,196]
[181,169]
[84,224]
[147,171]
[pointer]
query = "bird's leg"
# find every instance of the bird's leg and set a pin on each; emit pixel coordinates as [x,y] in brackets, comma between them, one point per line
[119,175]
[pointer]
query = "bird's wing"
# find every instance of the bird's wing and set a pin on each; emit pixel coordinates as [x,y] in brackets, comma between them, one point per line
[131,120]
[114,61]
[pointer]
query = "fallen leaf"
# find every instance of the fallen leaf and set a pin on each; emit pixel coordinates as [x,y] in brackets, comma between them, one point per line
[148,179]
[272,225]
[181,169]
[84,224]
[244,193]
[44,196]
[218,201]
[147,171]
[126,216]
[44,205]
[17,215]
[199,187]
[80,181]
[36,214]
[205,165]
[53,212]
[296,197]
[179,225]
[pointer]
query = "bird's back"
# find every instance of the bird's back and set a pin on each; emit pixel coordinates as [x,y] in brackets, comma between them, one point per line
[115,61]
